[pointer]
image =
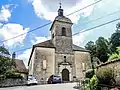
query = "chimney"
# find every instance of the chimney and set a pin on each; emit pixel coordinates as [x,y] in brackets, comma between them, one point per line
[13,55]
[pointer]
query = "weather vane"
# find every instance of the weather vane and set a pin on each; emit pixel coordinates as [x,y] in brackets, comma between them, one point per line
[60,4]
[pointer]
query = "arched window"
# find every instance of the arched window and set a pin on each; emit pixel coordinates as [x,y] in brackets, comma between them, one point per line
[63,31]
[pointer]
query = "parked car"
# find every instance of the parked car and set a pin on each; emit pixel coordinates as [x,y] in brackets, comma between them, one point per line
[53,79]
[31,80]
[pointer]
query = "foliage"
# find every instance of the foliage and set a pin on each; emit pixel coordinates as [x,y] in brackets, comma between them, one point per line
[4,52]
[94,83]
[5,65]
[85,84]
[102,50]
[118,49]
[105,76]
[115,55]
[12,74]
[89,73]
[114,41]
[99,49]
[90,84]
[91,47]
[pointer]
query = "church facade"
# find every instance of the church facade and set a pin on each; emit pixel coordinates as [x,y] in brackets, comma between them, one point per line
[59,56]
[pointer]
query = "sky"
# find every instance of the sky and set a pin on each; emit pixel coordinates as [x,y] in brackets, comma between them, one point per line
[20,16]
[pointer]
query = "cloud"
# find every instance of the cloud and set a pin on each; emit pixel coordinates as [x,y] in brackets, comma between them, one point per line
[10,30]
[47,9]
[80,38]
[39,39]
[25,56]
[5,13]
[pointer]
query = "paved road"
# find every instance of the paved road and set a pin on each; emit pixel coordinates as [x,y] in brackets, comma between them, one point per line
[65,86]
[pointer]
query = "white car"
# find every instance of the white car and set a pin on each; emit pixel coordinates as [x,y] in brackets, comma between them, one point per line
[31,80]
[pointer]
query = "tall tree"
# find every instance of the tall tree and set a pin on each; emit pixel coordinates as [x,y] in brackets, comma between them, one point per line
[115,39]
[102,50]
[5,61]
[91,47]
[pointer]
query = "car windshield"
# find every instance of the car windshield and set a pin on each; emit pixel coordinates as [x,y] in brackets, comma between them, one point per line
[55,76]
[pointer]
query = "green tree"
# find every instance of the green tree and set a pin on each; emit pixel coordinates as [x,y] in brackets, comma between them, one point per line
[5,61]
[102,50]
[115,39]
[6,65]
[91,47]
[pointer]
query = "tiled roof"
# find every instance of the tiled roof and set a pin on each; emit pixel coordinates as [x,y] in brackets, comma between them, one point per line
[47,44]
[20,66]
[77,48]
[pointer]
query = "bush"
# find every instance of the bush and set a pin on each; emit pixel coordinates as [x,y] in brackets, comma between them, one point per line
[12,74]
[89,73]
[93,82]
[105,76]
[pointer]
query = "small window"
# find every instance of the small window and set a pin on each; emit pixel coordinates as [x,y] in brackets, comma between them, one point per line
[64,58]
[63,31]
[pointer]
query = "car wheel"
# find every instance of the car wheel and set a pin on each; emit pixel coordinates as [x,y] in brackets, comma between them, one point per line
[51,82]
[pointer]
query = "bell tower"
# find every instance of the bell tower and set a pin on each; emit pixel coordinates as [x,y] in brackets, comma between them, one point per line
[61,31]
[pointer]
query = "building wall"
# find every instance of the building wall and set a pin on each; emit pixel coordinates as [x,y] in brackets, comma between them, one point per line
[52,59]
[60,58]
[80,59]
[44,54]
[63,44]
[31,64]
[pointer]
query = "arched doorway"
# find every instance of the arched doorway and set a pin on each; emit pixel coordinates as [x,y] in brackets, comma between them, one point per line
[65,75]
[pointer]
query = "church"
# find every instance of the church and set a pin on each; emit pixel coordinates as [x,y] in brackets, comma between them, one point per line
[59,56]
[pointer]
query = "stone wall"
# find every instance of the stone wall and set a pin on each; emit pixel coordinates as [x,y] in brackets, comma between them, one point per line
[44,54]
[115,65]
[12,82]
[80,58]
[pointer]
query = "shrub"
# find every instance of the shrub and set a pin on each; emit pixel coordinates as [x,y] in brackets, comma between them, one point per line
[93,82]
[105,76]
[89,73]
[12,74]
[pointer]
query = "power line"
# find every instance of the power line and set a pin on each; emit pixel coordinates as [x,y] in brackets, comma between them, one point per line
[84,7]
[84,24]
[97,26]
[110,14]
[82,31]
[27,32]
[50,22]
